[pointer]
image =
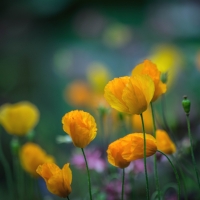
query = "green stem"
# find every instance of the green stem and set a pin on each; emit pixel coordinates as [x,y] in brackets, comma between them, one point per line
[68,197]
[19,174]
[123,176]
[175,171]
[165,120]
[184,185]
[155,158]
[191,149]
[145,164]
[8,173]
[88,172]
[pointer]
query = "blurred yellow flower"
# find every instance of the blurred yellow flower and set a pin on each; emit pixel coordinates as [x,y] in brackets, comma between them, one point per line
[19,118]
[134,146]
[150,69]
[31,156]
[81,126]
[98,75]
[58,180]
[136,121]
[114,154]
[129,148]
[130,95]
[164,143]
[78,93]
[168,59]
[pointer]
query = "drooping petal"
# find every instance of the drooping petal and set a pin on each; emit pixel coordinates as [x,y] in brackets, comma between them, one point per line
[164,143]
[58,180]
[114,154]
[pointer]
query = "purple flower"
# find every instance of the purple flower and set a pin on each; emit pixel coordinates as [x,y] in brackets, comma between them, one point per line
[94,159]
[113,189]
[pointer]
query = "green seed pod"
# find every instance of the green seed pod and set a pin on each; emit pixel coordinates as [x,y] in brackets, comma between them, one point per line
[186,104]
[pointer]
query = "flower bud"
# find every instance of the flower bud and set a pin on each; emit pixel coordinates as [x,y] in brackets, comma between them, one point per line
[186,104]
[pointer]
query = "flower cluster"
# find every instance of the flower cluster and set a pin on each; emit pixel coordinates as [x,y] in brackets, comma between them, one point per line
[128,95]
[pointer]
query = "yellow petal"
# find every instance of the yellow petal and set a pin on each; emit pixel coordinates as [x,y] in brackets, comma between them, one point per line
[150,69]
[113,93]
[138,93]
[114,154]
[58,180]
[135,146]
[164,143]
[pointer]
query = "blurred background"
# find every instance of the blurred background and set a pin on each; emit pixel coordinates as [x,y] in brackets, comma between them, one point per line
[51,48]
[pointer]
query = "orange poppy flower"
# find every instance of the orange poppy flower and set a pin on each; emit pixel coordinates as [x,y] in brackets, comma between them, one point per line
[130,94]
[130,148]
[81,126]
[58,180]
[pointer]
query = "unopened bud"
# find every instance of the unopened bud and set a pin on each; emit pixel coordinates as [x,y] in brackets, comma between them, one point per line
[186,104]
[15,146]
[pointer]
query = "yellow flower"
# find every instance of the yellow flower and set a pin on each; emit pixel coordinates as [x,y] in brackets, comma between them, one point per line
[81,126]
[130,148]
[114,152]
[164,142]
[137,125]
[167,57]
[134,144]
[98,75]
[150,69]
[31,156]
[20,118]
[130,95]
[58,180]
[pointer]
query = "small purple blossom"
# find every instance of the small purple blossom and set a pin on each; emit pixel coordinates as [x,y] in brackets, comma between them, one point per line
[94,159]
[113,189]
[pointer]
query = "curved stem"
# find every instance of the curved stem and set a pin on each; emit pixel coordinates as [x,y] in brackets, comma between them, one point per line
[8,173]
[175,171]
[123,176]
[88,172]
[155,158]
[68,197]
[145,164]
[191,149]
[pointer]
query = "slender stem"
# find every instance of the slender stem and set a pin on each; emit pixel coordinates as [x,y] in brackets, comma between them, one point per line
[68,198]
[184,185]
[19,176]
[88,172]
[155,158]
[165,120]
[145,164]
[8,173]
[175,171]
[123,176]
[191,149]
